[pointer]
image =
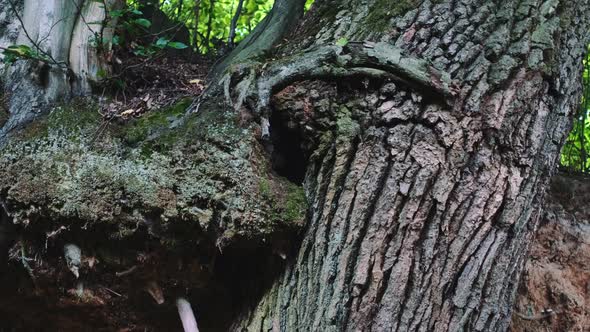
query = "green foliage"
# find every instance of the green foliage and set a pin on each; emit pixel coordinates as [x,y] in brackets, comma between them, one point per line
[14,53]
[574,155]
[132,26]
[211,29]
[342,42]
[214,19]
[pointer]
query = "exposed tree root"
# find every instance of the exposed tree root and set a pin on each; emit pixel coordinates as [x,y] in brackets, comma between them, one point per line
[254,83]
[185,311]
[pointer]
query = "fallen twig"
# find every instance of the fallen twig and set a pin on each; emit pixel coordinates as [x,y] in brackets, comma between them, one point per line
[111,291]
[543,315]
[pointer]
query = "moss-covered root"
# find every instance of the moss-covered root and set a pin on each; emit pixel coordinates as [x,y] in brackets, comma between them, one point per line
[201,175]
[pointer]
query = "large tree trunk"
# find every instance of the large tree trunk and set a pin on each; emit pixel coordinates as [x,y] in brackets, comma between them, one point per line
[422,213]
[430,128]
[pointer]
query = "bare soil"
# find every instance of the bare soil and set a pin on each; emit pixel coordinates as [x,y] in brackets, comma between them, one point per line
[554,293]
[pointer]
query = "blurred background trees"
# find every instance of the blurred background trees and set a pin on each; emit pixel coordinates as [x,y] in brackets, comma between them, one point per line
[210,21]
[574,156]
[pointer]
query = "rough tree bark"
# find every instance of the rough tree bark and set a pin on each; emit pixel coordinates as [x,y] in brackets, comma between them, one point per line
[421,212]
[431,127]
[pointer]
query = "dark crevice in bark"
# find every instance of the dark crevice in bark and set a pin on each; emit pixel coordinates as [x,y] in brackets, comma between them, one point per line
[449,288]
[322,188]
[288,156]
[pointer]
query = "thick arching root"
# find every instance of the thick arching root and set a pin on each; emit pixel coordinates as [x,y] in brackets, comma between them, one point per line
[253,83]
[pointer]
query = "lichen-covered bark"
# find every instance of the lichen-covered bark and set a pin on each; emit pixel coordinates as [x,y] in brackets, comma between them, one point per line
[189,205]
[208,177]
[422,213]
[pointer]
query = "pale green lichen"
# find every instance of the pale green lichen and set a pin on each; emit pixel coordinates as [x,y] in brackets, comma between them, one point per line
[501,70]
[346,127]
[383,11]
[72,165]
[544,35]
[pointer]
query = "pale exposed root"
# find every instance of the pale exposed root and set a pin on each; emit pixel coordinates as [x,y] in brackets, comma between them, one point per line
[246,78]
[25,262]
[189,322]
[226,82]
[265,128]
[244,87]
[155,291]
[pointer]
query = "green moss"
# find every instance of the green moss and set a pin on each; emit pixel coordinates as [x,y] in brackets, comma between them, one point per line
[384,10]
[154,122]
[203,169]
[295,205]
[264,188]
[162,130]
[37,129]
[287,200]
[77,115]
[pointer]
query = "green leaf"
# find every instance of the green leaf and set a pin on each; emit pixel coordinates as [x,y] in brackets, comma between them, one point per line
[177,45]
[143,22]
[162,42]
[342,42]
[101,73]
[116,13]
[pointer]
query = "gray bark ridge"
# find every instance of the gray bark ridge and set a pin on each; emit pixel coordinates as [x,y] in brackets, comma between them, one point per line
[422,213]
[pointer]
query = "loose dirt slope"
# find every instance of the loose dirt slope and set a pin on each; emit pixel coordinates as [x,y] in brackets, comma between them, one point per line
[554,294]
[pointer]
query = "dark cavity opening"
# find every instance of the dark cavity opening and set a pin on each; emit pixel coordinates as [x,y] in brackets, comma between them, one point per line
[288,156]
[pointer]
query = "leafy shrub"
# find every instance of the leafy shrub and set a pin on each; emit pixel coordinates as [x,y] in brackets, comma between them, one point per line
[574,155]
